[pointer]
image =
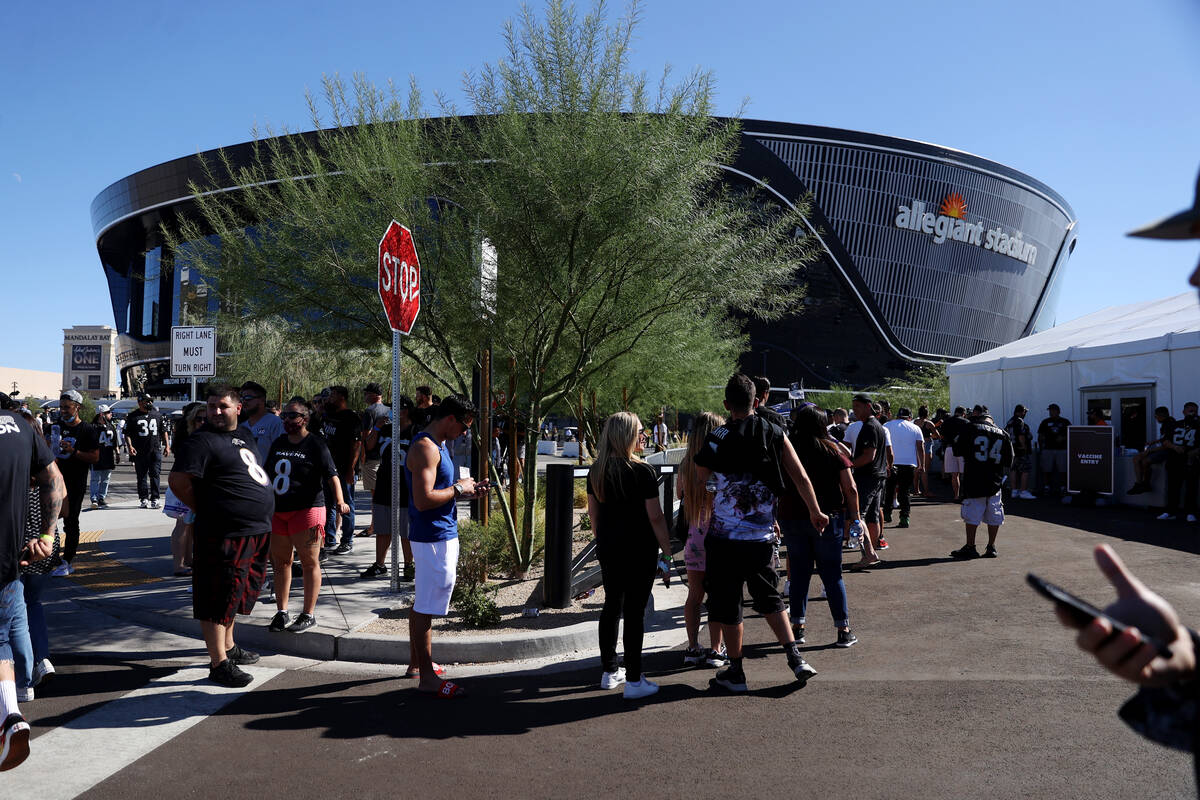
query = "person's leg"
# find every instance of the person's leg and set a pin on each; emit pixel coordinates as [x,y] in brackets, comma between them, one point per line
[992,531]
[691,608]
[281,563]
[828,554]
[890,487]
[310,551]
[216,640]
[954,484]
[94,491]
[74,504]
[610,612]
[800,558]
[420,627]
[154,470]
[639,581]
[18,635]
[904,481]
[101,491]
[39,634]
[141,466]
[348,519]
[1175,468]
[177,551]
[971,529]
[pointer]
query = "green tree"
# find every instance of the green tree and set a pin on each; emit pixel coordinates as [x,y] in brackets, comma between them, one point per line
[601,196]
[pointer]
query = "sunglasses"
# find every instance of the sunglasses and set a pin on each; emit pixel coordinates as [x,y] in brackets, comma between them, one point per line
[248,397]
[292,415]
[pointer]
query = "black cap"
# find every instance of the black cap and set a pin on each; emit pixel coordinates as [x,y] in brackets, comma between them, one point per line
[1019,408]
[904,413]
[861,398]
[144,398]
[373,388]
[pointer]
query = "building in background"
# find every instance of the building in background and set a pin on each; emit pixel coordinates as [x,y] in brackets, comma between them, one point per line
[928,255]
[26,383]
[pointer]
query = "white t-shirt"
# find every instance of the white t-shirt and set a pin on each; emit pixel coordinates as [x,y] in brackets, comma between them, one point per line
[906,440]
[660,433]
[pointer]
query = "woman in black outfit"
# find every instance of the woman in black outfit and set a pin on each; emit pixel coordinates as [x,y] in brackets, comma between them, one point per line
[630,529]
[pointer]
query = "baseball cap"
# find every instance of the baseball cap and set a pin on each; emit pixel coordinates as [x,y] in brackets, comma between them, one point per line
[144,398]
[1020,407]
[103,409]
[861,398]
[373,388]
[904,413]
[72,395]
[1184,225]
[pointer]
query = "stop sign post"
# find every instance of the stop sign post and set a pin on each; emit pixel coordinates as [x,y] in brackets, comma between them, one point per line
[400,292]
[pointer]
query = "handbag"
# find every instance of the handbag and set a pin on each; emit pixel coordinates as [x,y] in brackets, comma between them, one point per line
[173,507]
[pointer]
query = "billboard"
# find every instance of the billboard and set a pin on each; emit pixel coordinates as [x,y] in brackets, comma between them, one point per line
[85,357]
[1090,459]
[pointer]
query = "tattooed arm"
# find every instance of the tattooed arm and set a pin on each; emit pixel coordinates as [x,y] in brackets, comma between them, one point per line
[52,492]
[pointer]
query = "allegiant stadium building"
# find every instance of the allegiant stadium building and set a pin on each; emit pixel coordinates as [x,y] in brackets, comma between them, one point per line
[928,254]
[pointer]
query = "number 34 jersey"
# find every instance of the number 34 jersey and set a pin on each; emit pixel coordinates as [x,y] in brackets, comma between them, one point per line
[987,453]
[298,472]
[233,493]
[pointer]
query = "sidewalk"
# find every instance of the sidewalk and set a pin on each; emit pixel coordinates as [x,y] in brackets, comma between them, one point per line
[124,570]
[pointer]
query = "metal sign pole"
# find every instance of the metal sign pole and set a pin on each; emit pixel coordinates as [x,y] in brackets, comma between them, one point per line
[396,464]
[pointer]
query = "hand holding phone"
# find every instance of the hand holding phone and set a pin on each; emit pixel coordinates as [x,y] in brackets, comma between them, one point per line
[1138,637]
[1081,612]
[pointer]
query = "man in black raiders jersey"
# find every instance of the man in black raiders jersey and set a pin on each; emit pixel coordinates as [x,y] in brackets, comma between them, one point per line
[218,476]
[146,438]
[300,466]
[1183,465]
[987,454]
[76,448]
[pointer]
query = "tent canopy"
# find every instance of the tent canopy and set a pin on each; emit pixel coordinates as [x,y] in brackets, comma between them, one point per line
[1152,326]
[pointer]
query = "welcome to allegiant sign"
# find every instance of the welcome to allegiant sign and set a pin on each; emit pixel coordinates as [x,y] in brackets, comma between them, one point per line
[951,223]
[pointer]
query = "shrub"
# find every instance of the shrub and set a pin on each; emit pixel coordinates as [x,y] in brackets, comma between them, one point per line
[477,606]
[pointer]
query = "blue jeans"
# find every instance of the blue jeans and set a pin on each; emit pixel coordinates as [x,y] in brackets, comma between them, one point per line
[39,634]
[804,546]
[100,479]
[15,646]
[347,519]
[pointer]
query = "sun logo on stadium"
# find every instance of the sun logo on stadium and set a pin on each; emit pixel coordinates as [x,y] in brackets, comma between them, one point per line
[954,206]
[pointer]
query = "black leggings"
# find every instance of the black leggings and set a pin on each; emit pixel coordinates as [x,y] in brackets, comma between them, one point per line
[76,490]
[628,578]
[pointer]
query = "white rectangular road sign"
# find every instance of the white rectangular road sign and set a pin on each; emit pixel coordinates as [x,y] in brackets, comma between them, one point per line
[193,351]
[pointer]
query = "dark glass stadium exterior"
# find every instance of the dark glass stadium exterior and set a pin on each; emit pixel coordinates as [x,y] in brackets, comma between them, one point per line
[928,255]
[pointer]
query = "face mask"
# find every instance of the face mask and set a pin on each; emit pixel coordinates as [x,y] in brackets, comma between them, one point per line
[293,425]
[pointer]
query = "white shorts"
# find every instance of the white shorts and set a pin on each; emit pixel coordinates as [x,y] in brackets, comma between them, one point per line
[436,569]
[952,462]
[986,510]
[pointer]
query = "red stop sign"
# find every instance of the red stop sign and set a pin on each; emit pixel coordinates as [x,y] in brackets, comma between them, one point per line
[399,277]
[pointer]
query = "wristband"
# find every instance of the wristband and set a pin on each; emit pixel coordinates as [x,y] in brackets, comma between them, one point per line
[47,537]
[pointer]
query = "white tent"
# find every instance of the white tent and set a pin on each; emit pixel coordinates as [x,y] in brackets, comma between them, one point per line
[1124,360]
[1154,345]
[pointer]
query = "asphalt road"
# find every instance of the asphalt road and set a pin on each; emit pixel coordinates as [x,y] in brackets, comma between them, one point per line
[962,686]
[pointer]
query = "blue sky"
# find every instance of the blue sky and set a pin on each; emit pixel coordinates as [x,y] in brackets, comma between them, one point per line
[1100,100]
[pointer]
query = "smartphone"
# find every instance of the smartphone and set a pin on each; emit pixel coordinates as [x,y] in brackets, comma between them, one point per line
[1084,612]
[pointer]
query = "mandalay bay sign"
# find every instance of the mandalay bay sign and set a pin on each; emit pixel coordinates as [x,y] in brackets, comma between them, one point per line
[950,223]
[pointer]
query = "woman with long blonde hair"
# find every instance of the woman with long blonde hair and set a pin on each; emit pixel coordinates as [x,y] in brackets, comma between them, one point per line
[697,510]
[630,529]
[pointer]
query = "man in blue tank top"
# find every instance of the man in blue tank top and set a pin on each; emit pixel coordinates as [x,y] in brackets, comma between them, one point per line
[433,491]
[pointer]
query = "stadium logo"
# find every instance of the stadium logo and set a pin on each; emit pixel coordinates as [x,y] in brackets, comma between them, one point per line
[951,223]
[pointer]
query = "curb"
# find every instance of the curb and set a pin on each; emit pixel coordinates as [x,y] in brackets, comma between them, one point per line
[376,648]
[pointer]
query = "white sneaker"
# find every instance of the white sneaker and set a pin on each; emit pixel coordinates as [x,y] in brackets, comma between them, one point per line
[1166,515]
[611,680]
[24,695]
[42,670]
[1027,495]
[154,504]
[61,571]
[635,690]
[145,504]
[1191,517]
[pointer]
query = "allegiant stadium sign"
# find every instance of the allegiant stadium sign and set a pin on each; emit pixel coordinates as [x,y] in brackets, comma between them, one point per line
[951,224]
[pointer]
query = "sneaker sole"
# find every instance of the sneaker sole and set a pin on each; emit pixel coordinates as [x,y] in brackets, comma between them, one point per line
[844,645]
[736,688]
[16,747]
[292,629]
[804,676]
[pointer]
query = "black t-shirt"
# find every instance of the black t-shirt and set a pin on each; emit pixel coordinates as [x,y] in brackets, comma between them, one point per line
[106,435]
[951,427]
[1018,432]
[82,437]
[144,429]
[1186,433]
[824,466]
[751,446]
[383,480]
[1166,429]
[871,434]
[1052,433]
[623,524]
[342,431]
[233,492]
[838,431]
[298,472]
[987,454]
[22,454]
[772,416]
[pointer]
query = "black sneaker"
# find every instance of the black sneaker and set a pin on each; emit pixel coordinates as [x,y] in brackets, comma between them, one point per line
[410,574]
[800,668]
[102,502]
[965,552]
[798,633]
[846,638]
[302,623]
[240,656]
[731,679]
[887,517]
[279,621]
[374,571]
[228,674]
[903,522]
[324,554]
[990,552]
[14,742]
[345,547]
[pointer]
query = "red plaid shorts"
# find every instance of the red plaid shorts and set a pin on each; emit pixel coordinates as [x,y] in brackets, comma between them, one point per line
[227,575]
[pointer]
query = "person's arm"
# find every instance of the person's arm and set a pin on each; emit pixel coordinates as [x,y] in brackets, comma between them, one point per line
[52,491]
[423,463]
[162,435]
[850,494]
[658,521]
[920,453]
[865,457]
[181,485]
[86,456]
[336,487]
[371,438]
[1126,654]
[795,470]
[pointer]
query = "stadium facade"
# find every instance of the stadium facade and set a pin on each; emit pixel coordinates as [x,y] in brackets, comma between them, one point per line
[928,255]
